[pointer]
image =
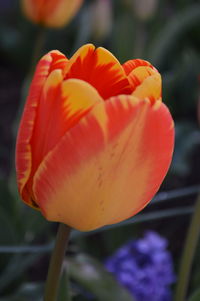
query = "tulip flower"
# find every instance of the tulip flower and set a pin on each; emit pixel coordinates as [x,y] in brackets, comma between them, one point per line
[50,13]
[95,140]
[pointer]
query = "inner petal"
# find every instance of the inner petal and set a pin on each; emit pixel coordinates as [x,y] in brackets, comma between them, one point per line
[99,68]
[130,65]
[150,87]
[145,82]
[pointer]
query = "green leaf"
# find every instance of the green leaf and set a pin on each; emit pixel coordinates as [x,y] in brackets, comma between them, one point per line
[195,296]
[8,233]
[17,265]
[64,289]
[85,29]
[93,277]
[140,218]
[6,198]
[187,137]
[168,38]
[28,291]
[31,291]
[33,224]
[124,28]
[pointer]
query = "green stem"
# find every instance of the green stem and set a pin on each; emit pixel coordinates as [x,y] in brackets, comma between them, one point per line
[140,38]
[188,254]
[54,272]
[37,51]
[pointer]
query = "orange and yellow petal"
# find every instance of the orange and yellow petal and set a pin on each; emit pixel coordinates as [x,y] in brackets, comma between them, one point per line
[130,65]
[62,105]
[25,132]
[144,79]
[99,68]
[146,82]
[108,166]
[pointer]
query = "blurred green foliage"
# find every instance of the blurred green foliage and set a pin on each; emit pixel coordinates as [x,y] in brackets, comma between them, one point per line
[195,296]
[168,36]
[92,276]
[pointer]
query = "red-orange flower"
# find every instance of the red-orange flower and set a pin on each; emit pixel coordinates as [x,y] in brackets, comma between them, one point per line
[95,140]
[51,13]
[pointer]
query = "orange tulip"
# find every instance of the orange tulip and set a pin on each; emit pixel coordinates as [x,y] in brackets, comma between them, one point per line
[51,13]
[95,140]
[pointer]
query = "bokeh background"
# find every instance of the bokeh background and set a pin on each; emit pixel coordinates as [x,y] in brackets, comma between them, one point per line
[167,33]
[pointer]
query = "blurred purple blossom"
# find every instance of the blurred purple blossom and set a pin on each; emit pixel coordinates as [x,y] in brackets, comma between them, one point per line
[144,267]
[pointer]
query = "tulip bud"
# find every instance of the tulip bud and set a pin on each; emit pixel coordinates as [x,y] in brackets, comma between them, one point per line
[101,18]
[51,13]
[145,9]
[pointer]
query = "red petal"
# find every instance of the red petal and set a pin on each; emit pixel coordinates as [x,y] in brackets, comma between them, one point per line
[99,68]
[50,61]
[108,166]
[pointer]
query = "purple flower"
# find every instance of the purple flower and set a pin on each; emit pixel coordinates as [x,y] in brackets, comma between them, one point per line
[144,267]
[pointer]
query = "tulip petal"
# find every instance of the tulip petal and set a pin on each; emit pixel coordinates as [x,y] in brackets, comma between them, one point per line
[99,68]
[108,166]
[23,148]
[132,64]
[146,83]
[144,79]
[62,105]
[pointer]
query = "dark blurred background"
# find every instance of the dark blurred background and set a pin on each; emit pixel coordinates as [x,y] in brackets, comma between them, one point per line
[167,33]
